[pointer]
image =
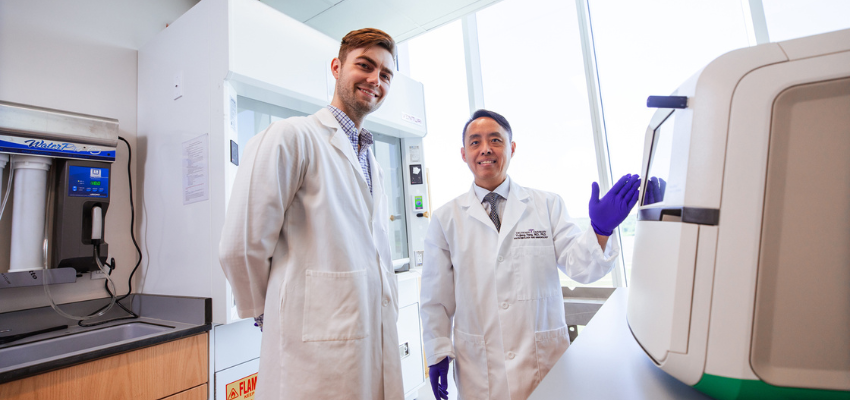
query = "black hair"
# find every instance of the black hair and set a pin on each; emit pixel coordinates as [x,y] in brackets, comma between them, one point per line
[482,113]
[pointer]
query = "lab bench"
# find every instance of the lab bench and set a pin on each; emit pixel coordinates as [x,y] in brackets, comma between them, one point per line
[605,362]
[162,354]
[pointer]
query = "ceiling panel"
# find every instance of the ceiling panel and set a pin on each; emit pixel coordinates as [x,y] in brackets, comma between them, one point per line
[423,12]
[349,15]
[300,9]
[447,16]
[402,19]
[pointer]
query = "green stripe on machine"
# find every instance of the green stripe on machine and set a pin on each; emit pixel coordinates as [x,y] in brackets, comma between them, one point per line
[723,388]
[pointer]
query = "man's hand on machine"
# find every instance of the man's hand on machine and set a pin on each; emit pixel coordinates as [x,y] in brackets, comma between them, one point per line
[654,190]
[610,211]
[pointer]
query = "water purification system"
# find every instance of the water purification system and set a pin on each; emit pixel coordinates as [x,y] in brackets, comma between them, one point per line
[59,170]
[741,272]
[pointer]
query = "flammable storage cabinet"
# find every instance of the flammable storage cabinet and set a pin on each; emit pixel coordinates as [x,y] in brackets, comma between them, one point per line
[741,278]
[215,77]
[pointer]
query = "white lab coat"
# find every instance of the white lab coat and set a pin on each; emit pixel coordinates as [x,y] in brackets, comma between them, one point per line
[305,244]
[502,289]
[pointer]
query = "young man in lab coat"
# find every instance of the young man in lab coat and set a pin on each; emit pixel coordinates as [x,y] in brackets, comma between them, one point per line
[305,244]
[491,267]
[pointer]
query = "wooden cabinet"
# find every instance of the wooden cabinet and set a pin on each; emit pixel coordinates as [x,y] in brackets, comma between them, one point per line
[176,370]
[195,393]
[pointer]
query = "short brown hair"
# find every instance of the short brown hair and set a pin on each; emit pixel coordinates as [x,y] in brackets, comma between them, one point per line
[366,37]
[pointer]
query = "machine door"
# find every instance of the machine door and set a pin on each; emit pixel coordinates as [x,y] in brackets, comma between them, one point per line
[802,304]
[659,311]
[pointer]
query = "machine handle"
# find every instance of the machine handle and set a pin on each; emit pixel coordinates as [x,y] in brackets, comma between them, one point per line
[667,102]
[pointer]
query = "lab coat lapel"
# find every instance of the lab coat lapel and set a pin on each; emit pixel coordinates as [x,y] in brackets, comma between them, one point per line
[476,210]
[514,209]
[340,140]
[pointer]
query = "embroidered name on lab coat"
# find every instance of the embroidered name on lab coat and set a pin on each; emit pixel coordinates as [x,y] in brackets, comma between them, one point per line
[531,234]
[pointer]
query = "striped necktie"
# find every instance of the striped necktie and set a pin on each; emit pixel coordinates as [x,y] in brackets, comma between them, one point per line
[491,198]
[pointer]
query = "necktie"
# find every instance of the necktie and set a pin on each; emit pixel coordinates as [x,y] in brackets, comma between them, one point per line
[494,212]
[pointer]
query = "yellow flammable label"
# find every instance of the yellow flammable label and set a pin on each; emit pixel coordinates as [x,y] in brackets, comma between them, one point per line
[242,389]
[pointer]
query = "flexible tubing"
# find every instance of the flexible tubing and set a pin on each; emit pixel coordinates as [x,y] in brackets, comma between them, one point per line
[87,317]
[46,277]
[4,159]
[6,196]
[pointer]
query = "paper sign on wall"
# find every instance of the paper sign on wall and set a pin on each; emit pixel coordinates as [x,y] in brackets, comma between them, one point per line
[196,180]
[242,389]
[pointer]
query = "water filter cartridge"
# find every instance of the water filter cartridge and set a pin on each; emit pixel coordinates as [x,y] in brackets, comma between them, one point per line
[30,190]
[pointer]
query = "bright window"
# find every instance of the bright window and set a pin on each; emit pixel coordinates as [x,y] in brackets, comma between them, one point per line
[650,48]
[533,74]
[789,19]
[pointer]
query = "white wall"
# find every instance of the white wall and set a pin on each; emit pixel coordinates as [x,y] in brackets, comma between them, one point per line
[78,73]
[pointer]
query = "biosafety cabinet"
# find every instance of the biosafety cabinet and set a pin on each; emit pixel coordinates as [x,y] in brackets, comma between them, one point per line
[741,273]
[210,81]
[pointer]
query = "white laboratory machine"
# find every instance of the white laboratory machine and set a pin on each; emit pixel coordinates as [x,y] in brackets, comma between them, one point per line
[741,273]
[210,81]
[56,192]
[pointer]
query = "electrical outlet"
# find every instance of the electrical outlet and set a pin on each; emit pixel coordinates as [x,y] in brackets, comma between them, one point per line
[98,275]
[420,256]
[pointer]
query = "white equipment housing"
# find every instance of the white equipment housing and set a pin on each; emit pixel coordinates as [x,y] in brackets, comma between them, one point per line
[741,273]
[191,77]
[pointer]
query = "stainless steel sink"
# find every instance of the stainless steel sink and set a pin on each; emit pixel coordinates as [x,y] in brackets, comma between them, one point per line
[63,345]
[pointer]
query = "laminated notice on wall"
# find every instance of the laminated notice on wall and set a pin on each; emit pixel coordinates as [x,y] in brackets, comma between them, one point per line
[196,167]
[242,389]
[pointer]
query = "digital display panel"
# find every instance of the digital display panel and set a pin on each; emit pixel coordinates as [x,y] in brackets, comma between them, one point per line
[88,182]
[659,162]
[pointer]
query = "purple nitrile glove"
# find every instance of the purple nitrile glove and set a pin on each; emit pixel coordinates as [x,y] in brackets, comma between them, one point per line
[654,191]
[439,373]
[258,322]
[607,213]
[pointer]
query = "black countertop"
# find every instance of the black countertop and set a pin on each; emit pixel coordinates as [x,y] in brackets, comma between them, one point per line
[161,319]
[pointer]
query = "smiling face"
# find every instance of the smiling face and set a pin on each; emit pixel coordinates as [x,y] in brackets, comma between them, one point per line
[487,150]
[362,81]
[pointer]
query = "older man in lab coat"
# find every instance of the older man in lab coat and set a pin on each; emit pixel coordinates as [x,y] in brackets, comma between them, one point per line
[491,267]
[305,243]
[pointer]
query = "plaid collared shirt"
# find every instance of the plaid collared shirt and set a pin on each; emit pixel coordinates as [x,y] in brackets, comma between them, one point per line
[362,141]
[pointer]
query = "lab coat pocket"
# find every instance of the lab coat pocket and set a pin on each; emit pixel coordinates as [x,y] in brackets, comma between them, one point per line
[551,345]
[536,272]
[471,366]
[336,306]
